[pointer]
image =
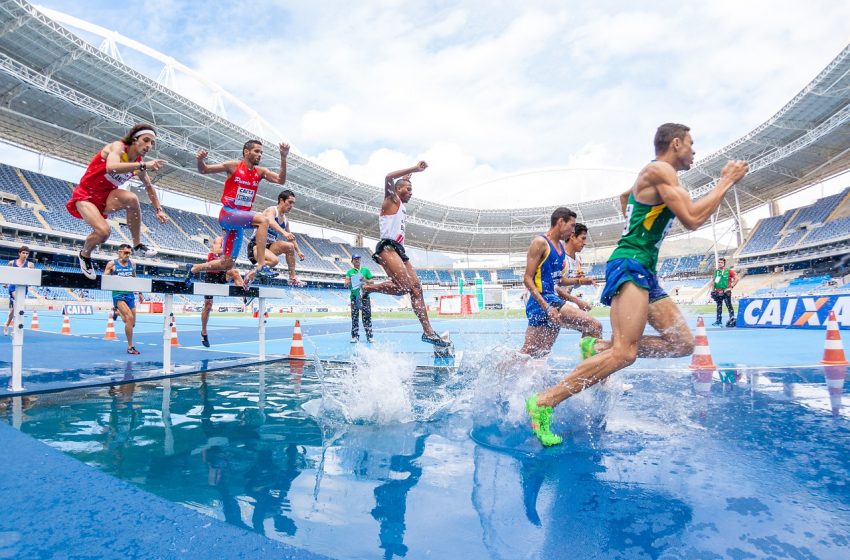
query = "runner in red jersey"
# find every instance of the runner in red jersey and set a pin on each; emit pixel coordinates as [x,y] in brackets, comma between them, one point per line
[240,189]
[99,194]
[216,277]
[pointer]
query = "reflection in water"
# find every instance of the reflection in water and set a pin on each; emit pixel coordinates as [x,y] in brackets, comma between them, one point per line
[391,499]
[645,474]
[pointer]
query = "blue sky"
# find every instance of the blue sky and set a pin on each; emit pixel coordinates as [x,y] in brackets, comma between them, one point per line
[486,89]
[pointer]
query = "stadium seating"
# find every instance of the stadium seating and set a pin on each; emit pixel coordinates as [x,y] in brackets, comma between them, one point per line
[20,216]
[11,183]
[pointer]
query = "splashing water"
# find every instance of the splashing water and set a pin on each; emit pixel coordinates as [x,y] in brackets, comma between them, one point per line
[374,389]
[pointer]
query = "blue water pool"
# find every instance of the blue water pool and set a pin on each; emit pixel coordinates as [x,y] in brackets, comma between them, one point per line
[380,459]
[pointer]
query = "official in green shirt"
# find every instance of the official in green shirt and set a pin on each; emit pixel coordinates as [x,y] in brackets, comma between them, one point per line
[354,279]
[723,282]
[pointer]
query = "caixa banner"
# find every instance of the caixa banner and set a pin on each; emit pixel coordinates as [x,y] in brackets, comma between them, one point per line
[801,312]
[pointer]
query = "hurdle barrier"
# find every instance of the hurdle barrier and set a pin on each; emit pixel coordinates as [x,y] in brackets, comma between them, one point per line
[28,277]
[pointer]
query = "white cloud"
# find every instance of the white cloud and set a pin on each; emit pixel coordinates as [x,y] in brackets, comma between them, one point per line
[483,90]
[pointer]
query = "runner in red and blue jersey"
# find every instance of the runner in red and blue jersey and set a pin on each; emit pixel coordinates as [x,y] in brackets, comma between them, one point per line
[240,190]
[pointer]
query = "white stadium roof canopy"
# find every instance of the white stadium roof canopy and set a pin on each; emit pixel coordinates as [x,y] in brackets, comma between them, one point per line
[63,97]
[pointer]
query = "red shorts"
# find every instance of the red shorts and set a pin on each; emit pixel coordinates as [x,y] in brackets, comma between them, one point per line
[98,198]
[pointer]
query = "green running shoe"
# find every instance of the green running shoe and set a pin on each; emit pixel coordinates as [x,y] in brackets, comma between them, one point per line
[587,346]
[541,422]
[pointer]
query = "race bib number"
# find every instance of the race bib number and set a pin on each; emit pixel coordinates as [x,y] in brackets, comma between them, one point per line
[245,197]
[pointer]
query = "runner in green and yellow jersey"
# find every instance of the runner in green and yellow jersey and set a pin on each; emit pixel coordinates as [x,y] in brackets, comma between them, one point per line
[631,287]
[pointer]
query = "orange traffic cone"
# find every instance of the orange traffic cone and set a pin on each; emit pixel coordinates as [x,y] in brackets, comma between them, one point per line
[110,327]
[833,350]
[702,355]
[34,325]
[256,314]
[174,341]
[296,351]
[66,325]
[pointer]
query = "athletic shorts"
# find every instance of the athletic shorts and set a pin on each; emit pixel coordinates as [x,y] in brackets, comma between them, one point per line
[389,243]
[12,294]
[234,222]
[97,197]
[538,317]
[129,299]
[252,244]
[620,271]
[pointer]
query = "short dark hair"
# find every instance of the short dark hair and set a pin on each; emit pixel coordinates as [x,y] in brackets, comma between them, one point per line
[129,137]
[285,195]
[124,246]
[250,144]
[666,133]
[562,213]
[579,229]
[721,259]
[24,248]
[402,181]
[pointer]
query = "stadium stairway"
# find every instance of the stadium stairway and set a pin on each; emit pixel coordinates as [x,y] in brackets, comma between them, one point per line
[29,187]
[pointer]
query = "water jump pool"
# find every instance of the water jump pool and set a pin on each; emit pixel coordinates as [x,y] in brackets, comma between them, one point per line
[376,456]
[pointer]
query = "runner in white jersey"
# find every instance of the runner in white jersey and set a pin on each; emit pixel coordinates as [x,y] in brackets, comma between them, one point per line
[389,253]
[279,240]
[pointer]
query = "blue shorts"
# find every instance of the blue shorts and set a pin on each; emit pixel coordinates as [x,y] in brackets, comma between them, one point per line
[538,317]
[234,222]
[620,271]
[129,299]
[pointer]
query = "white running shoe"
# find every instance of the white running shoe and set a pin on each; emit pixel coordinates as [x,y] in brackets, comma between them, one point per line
[87,267]
[142,250]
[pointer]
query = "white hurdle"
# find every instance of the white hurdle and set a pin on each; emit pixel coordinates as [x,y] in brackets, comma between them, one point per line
[23,278]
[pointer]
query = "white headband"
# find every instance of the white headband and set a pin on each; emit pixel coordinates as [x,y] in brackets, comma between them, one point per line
[144,131]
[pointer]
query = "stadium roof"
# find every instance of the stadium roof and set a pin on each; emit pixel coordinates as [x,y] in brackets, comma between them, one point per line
[62,97]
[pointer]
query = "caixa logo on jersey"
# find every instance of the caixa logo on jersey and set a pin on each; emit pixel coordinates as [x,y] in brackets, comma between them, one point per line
[802,312]
[78,310]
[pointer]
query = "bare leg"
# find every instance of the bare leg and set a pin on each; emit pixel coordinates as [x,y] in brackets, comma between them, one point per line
[100,230]
[288,250]
[129,317]
[223,263]
[205,315]
[120,199]
[578,320]
[403,280]
[629,313]
[539,341]
[674,339]
[262,224]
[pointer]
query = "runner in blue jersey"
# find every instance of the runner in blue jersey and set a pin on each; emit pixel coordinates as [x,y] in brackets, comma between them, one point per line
[20,262]
[280,240]
[631,285]
[550,305]
[124,302]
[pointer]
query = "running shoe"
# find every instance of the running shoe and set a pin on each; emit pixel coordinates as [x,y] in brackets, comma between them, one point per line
[541,422]
[370,339]
[87,267]
[355,339]
[717,324]
[437,340]
[142,250]
[267,272]
[132,350]
[190,276]
[587,346]
[205,341]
